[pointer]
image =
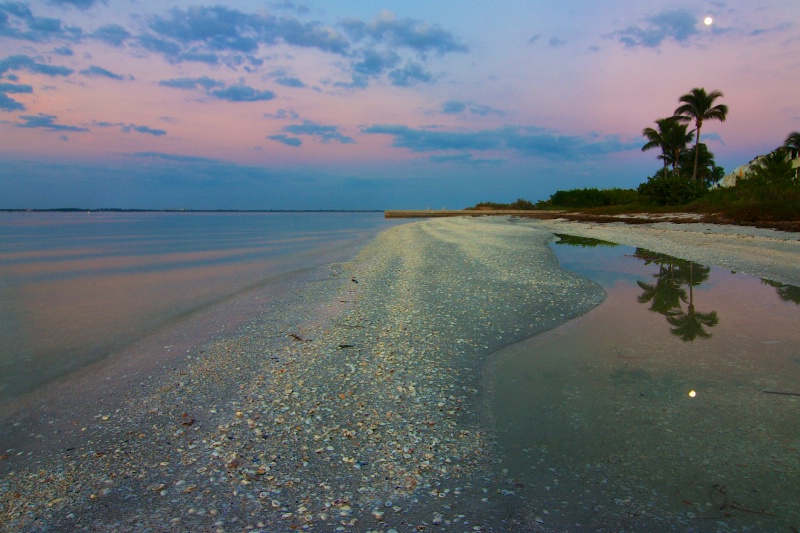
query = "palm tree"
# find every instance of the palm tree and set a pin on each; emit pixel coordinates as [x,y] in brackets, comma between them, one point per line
[671,137]
[698,105]
[704,160]
[655,139]
[774,168]
[792,143]
[717,173]
[676,139]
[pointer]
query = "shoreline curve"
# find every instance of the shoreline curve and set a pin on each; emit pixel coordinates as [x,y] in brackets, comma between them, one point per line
[361,397]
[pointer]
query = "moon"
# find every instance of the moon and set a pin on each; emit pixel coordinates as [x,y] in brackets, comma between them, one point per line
[708,21]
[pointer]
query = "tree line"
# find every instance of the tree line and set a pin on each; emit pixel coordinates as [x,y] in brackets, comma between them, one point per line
[693,168]
[675,185]
[770,190]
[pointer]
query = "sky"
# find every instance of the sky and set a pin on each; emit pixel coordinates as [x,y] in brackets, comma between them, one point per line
[372,104]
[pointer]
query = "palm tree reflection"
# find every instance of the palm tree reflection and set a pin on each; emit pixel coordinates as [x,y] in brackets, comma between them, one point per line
[667,295]
[787,293]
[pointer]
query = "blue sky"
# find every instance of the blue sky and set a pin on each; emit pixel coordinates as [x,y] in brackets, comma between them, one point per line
[371,105]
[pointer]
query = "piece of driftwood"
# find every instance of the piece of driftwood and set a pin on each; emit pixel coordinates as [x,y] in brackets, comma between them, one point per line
[782,393]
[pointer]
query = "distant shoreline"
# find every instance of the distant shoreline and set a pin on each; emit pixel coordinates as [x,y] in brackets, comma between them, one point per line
[632,218]
[121,210]
[430,213]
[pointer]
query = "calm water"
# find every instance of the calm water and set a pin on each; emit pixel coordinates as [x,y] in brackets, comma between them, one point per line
[674,404]
[76,287]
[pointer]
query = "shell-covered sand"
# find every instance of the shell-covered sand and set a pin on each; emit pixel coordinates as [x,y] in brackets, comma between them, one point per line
[354,405]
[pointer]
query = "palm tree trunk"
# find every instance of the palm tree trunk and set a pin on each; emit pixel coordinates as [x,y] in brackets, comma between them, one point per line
[696,151]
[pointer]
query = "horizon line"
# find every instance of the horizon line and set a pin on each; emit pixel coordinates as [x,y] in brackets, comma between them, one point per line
[180,210]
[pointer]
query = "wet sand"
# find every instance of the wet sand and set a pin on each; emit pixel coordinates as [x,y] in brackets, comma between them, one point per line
[596,419]
[355,403]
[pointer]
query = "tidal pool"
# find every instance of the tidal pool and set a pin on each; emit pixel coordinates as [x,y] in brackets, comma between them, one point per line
[674,405]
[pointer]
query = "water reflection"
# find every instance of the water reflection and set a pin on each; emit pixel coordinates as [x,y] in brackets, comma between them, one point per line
[787,293]
[75,289]
[672,294]
[667,295]
[583,242]
[613,422]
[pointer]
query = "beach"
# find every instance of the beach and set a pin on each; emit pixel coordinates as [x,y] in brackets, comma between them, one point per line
[354,402]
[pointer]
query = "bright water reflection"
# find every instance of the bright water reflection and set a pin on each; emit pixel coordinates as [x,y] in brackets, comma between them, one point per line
[598,421]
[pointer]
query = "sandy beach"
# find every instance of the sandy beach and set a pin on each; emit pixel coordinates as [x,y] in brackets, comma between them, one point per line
[354,403]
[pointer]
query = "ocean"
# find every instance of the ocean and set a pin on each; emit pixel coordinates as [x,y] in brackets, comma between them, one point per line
[76,288]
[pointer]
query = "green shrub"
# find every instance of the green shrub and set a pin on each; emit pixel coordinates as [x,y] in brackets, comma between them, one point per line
[582,198]
[754,200]
[519,205]
[524,205]
[673,189]
[489,205]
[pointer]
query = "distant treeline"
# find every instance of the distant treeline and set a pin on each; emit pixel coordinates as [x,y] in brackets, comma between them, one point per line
[520,204]
[593,197]
[771,199]
[769,192]
[575,198]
